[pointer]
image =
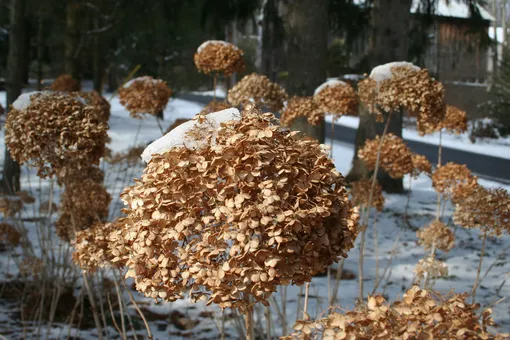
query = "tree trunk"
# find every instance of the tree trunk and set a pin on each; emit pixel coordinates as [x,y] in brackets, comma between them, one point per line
[273,41]
[389,42]
[40,50]
[15,59]
[98,60]
[306,27]
[72,41]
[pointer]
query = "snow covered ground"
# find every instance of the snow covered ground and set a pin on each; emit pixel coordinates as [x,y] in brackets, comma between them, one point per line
[203,321]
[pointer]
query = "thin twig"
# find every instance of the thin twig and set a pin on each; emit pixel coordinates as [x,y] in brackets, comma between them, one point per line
[475,286]
[149,333]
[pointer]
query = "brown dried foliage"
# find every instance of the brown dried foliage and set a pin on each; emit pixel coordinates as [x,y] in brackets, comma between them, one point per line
[421,165]
[396,158]
[95,99]
[65,83]
[9,235]
[10,206]
[258,89]
[219,57]
[436,235]
[144,95]
[409,89]
[488,209]
[454,180]
[420,314]
[31,266]
[25,197]
[213,106]
[55,131]
[302,107]
[338,100]
[72,174]
[258,209]
[454,121]
[360,192]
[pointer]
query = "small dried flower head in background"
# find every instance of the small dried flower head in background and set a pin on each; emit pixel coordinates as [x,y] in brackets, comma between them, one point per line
[65,83]
[130,157]
[454,180]
[302,107]
[488,209]
[10,206]
[436,235]
[396,158]
[9,235]
[25,197]
[455,120]
[258,89]
[421,165]
[235,215]
[337,98]
[419,314]
[95,99]
[144,95]
[31,266]
[360,192]
[51,130]
[430,267]
[213,106]
[216,56]
[401,85]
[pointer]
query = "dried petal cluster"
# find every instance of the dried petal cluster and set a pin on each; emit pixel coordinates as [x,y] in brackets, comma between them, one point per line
[54,130]
[360,192]
[302,107]
[420,314]
[257,209]
[213,106]
[430,267]
[216,56]
[258,89]
[144,95]
[91,246]
[9,235]
[436,235]
[65,83]
[395,158]
[488,209]
[455,120]
[454,180]
[10,206]
[95,99]
[337,98]
[407,87]
[420,165]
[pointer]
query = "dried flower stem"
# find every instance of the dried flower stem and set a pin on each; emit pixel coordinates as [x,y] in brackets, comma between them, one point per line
[119,297]
[307,291]
[222,325]
[378,282]
[149,333]
[93,306]
[284,309]
[475,286]
[439,154]
[214,86]
[406,210]
[248,319]
[122,333]
[502,283]
[337,283]
[376,249]
[160,127]
[267,312]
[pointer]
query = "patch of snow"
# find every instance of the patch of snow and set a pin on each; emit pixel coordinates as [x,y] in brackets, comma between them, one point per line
[142,79]
[209,42]
[179,137]
[329,83]
[384,72]
[453,8]
[23,101]
[500,35]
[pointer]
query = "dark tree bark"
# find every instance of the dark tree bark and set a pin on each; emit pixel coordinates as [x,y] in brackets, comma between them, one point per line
[72,41]
[15,60]
[98,59]
[306,28]
[390,23]
[273,41]
[40,50]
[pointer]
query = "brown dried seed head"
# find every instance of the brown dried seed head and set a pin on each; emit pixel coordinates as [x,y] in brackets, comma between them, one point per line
[436,235]
[258,89]
[430,267]
[144,95]
[421,165]
[65,83]
[10,206]
[302,107]
[455,120]
[454,180]
[216,56]
[337,98]
[9,235]
[360,192]
[95,99]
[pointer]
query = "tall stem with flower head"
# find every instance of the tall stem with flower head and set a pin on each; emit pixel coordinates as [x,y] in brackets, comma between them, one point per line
[475,285]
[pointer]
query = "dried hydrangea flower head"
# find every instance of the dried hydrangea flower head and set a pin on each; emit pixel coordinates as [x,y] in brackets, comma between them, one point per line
[395,159]
[144,95]
[360,192]
[95,99]
[25,197]
[10,206]
[419,314]
[337,98]
[82,204]
[436,235]
[258,89]
[217,56]
[31,266]
[65,83]
[455,120]
[9,235]
[488,209]
[402,85]
[91,246]
[213,106]
[421,165]
[247,209]
[302,107]
[430,267]
[454,180]
[52,130]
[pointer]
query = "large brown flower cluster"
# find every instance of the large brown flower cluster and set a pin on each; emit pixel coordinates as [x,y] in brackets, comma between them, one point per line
[213,106]
[421,165]
[420,314]
[95,99]
[10,206]
[54,130]
[488,209]
[65,83]
[302,107]
[144,95]
[258,89]
[82,204]
[337,98]
[256,209]
[395,158]
[91,246]
[404,86]
[360,192]
[216,56]
[9,235]
[454,180]
[436,235]
[455,120]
